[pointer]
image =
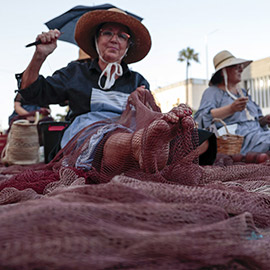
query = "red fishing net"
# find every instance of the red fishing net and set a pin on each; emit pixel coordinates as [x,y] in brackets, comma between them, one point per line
[143,141]
[138,200]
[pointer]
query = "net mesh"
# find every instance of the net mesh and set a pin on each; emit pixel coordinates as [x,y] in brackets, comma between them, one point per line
[142,141]
[144,204]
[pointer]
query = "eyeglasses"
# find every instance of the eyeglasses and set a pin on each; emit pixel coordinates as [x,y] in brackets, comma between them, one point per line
[238,66]
[122,37]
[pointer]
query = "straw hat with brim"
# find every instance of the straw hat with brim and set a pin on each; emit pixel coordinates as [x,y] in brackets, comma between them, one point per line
[88,24]
[225,59]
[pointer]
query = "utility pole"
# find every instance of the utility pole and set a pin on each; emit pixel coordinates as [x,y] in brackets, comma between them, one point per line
[206,53]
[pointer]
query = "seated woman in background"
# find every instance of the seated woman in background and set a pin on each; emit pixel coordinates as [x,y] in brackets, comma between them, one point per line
[26,110]
[224,99]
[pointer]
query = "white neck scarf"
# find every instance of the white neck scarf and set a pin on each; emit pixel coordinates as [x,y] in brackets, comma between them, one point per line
[240,92]
[110,78]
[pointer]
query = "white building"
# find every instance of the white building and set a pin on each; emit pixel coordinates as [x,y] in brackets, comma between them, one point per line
[169,96]
[256,78]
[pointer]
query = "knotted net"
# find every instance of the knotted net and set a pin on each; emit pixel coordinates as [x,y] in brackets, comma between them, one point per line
[152,207]
[142,141]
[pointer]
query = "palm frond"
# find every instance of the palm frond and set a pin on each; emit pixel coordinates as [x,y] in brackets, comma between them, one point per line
[188,54]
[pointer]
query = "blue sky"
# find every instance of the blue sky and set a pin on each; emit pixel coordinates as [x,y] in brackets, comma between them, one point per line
[238,26]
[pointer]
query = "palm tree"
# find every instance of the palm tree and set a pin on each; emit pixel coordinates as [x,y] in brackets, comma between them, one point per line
[188,55]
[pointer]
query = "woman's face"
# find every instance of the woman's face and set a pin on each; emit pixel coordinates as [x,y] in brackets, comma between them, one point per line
[113,40]
[234,73]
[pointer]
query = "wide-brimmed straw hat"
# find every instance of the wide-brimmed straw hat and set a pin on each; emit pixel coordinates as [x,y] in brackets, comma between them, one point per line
[88,24]
[225,59]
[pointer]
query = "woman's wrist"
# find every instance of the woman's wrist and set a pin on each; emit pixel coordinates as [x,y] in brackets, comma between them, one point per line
[223,112]
[39,57]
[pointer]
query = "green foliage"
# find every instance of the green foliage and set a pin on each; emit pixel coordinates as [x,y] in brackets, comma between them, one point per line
[188,55]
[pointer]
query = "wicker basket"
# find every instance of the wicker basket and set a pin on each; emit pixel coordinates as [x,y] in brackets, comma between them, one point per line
[22,147]
[228,144]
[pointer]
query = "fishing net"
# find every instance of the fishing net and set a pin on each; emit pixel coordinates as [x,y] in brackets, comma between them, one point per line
[142,141]
[137,200]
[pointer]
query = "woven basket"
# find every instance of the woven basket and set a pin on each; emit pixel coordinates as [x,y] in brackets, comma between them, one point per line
[228,144]
[22,147]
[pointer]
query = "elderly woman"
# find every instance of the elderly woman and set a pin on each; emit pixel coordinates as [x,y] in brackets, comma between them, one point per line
[102,90]
[96,90]
[224,99]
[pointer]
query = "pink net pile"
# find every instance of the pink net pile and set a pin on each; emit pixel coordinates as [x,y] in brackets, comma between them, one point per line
[156,208]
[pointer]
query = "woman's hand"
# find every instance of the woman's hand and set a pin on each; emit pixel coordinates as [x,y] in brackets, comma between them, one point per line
[265,120]
[141,89]
[48,42]
[138,94]
[45,111]
[47,46]
[239,104]
[142,97]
